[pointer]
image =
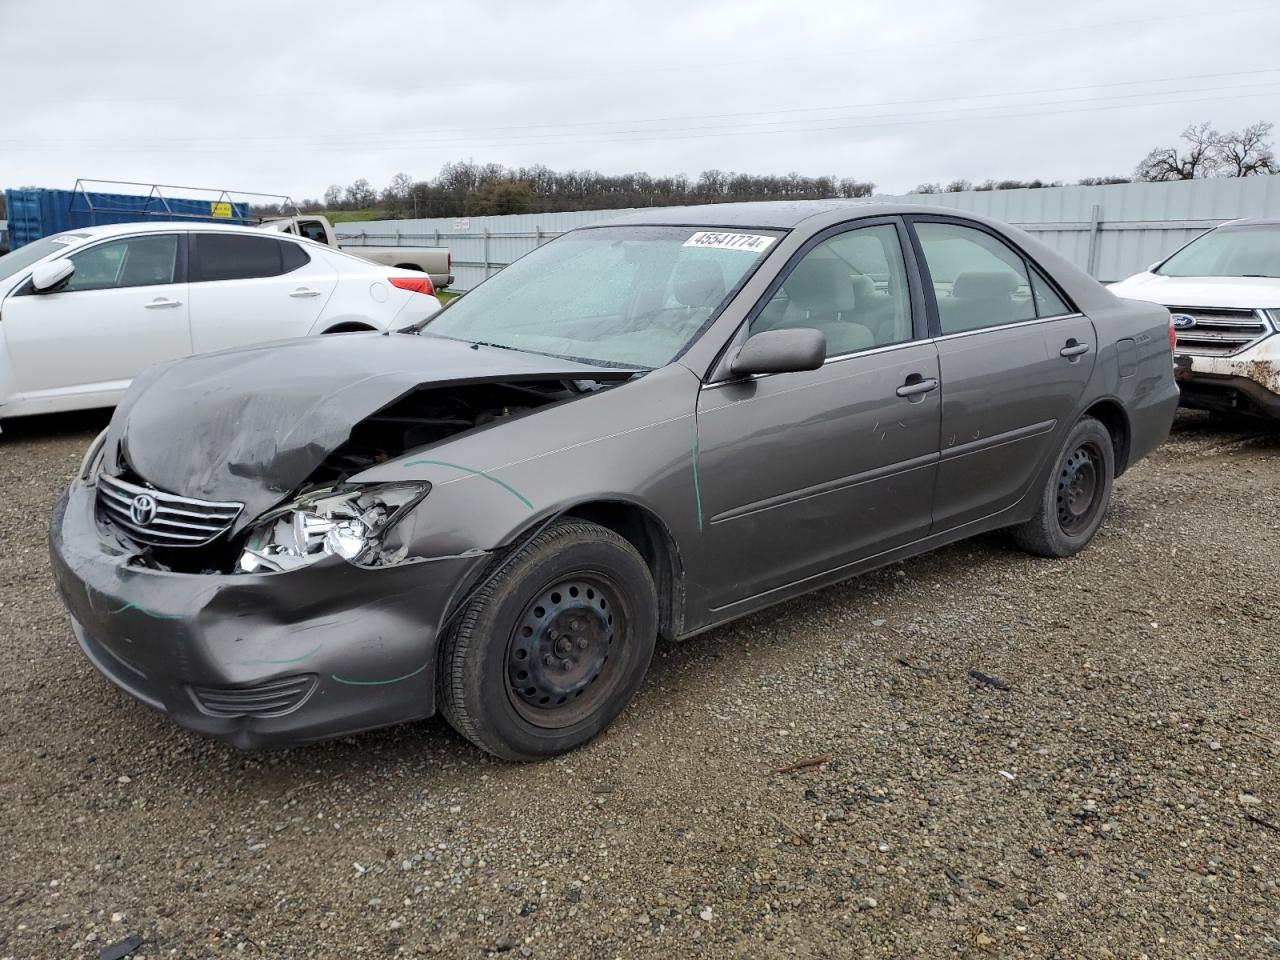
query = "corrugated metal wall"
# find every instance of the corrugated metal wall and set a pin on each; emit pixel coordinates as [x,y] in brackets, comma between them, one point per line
[1110,231]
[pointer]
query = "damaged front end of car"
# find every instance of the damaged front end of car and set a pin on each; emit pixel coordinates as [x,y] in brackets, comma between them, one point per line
[223,560]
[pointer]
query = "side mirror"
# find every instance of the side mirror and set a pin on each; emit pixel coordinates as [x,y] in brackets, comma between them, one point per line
[781,351]
[48,276]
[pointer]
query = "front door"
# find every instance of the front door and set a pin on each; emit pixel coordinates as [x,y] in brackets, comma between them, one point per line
[1015,361]
[802,473]
[125,307]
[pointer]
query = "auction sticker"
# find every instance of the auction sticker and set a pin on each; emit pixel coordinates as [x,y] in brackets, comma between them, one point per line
[750,242]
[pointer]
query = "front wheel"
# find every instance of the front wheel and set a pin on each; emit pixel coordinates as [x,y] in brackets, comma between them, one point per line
[1076,497]
[553,646]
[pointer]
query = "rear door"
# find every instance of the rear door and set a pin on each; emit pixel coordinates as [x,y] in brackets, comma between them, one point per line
[125,307]
[802,473]
[249,288]
[1015,361]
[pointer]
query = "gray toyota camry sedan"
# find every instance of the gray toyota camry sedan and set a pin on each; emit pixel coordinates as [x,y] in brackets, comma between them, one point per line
[640,430]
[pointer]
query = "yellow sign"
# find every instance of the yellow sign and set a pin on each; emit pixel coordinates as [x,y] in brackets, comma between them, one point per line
[222,211]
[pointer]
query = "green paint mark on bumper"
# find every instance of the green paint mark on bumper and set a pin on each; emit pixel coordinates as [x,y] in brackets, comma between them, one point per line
[149,613]
[379,683]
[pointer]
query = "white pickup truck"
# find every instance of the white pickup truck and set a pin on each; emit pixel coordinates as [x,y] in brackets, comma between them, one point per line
[436,262]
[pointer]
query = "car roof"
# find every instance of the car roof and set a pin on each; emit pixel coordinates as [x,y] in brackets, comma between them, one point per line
[158,226]
[774,214]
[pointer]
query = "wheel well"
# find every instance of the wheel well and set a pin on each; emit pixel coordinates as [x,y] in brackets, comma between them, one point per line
[650,537]
[409,266]
[1113,417]
[350,326]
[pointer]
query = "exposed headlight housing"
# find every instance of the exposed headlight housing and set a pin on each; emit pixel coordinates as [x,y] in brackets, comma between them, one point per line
[349,521]
[92,461]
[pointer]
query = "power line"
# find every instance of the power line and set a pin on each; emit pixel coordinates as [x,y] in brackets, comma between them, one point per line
[399,135]
[693,132]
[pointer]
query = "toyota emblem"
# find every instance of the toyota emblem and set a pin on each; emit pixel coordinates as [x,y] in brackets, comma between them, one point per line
[143,509]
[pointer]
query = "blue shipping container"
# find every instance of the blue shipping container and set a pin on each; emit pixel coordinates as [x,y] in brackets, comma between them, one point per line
[39,212]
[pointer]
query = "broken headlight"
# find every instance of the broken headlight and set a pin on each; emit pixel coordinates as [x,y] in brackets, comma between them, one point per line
[349,521]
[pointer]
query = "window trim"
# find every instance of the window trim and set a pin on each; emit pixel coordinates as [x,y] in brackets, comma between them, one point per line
[720,374]
[935,317]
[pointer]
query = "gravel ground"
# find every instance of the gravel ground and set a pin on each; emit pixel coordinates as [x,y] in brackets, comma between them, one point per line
[1112,791]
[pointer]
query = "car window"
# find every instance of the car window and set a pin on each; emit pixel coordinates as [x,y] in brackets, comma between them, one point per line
[293,256]
[629,296]
[1251,250]
[130,262]
[234,256]
[852,288]
[312,230]
[978,280]
[1048,303]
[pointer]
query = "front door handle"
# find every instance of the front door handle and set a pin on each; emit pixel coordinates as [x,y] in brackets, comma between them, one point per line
[917,386]
[1073,350]
[160,303]
[303,293]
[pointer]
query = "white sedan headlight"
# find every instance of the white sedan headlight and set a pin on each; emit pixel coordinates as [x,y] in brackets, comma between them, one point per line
[348,521]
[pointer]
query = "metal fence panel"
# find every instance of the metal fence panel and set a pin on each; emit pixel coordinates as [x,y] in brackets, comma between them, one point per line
[1110,231]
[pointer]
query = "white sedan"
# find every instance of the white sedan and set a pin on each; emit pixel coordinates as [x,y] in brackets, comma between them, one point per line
[84,311]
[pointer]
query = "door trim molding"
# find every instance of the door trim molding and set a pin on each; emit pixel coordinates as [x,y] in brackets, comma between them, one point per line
[827,486]
[999,439]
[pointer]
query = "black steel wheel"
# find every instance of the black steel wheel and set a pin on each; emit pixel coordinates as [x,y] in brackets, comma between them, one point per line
[1074,500]
[553,646]
[1080,488]
[558,657]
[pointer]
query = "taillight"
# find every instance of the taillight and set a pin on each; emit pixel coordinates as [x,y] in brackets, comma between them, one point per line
[415,284]
[450,270]
[1173,335]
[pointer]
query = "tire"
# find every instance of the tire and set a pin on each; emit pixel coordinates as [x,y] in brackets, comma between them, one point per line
[553,646]
[1076,496]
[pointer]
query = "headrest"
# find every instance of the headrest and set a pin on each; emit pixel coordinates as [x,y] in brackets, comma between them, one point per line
[698,282]
[985,285]
[820,284]
[864,288]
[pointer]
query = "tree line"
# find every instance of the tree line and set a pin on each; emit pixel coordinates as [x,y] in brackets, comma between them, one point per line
[466,188]
[1204,152]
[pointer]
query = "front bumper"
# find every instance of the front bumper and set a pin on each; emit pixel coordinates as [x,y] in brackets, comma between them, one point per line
[1248,382]
[257,660]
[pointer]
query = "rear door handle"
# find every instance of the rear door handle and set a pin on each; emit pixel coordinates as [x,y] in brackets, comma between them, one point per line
[160,303]
[303,293]
[1073,350]
[915,388]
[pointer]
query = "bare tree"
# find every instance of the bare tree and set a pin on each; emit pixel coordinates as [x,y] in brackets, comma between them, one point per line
[1200,159]
[1246,153]
[333,197]
[926,188]
[360,194]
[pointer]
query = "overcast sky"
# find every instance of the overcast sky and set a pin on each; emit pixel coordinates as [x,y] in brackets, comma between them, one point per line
[285,97]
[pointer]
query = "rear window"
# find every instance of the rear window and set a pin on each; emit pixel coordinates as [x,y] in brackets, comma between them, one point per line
[233,256]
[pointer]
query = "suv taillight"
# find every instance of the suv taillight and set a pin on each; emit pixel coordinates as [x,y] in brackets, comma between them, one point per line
[1173,335]
[415,284]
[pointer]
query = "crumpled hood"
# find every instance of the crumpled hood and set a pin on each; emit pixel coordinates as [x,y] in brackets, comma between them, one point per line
[252,424]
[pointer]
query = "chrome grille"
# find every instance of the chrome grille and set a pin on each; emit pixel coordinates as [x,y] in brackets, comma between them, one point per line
[1221,332]
[177,521]
[270,699]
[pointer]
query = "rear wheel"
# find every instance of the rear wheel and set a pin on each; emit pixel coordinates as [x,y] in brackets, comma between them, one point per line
[553,647]
[1076,497]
